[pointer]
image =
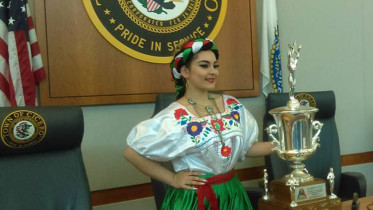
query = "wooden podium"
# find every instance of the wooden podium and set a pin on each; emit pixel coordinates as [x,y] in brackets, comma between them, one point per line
[308,195]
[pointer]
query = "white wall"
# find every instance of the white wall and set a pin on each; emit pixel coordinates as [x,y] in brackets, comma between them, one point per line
[336,38]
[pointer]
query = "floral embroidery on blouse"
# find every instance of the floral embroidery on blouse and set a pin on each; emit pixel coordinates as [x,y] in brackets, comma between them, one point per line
[231,101]
[236,116]
[194,128]
[226,151]
[180,113]
[199,129]
[217,125]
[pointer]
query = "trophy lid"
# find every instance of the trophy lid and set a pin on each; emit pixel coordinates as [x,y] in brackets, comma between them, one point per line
[293,110]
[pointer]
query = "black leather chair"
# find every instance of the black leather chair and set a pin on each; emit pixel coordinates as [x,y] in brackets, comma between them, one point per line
[41,165]
[162,101]
[326,156]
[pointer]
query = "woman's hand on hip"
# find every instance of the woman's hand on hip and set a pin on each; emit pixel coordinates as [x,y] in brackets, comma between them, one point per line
[185,180]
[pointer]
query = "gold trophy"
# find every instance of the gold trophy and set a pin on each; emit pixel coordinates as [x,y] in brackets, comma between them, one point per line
[298,137]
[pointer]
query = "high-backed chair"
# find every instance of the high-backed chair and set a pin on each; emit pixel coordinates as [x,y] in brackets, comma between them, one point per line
[41,164]
[162,101]
[326,156]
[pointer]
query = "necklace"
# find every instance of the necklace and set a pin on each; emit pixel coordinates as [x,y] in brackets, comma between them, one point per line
[210,111]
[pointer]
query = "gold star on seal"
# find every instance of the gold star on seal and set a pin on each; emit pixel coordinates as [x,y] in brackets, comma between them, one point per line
[112,20]
[206,25]
[209,17]
[107,12]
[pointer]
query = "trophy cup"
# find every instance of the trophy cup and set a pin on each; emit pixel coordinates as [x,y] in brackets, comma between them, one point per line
[298,137]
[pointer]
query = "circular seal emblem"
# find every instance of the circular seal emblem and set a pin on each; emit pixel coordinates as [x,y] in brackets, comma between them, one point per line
[306,99]
[23,128]
[152,30]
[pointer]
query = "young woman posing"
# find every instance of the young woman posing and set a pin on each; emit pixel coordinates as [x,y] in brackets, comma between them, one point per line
[203,134]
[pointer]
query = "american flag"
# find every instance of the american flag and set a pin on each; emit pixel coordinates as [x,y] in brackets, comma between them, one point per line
[21,67]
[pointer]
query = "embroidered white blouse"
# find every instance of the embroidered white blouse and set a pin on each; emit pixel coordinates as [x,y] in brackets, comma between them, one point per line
[193,143]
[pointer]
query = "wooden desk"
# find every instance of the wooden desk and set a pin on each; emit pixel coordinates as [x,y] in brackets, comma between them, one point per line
[364,202]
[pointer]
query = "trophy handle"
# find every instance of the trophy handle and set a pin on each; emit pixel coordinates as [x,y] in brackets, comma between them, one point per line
[272,129]
[315,139]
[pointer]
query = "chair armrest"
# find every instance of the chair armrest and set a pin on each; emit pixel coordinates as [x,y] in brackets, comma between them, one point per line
[353,182]
[160,188]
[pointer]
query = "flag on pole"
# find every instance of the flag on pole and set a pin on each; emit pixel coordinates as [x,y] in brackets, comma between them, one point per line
[21,67]
[270,66]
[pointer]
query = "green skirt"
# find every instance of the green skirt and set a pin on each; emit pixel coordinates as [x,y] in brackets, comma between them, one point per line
[231,196]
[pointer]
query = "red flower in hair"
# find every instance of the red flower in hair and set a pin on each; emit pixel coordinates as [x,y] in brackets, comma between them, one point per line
[188,44]
[179,112]
[177,61]
[226,151]
[232,100]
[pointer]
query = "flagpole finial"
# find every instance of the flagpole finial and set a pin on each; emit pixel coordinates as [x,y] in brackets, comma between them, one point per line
[293,56]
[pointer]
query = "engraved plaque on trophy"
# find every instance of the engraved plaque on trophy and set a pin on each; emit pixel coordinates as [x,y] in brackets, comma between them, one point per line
[298,137]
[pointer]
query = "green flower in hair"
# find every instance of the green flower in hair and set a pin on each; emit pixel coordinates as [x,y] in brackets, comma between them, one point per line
[179,88]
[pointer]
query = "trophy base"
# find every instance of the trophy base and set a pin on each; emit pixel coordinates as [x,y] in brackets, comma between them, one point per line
[330,204]
[300,176]
[309,195]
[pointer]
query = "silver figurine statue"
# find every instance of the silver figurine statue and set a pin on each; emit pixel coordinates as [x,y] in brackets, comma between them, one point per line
[331,178]
[293,56]
[265,180]
[292,182]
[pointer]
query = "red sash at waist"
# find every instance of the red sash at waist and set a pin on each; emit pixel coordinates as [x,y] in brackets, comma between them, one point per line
[206,191]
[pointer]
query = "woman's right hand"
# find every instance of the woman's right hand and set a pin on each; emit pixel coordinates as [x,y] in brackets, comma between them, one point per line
[185,179]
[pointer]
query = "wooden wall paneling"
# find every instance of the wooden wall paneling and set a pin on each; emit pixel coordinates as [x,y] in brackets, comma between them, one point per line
[238,45]
[355,159]
[84,69]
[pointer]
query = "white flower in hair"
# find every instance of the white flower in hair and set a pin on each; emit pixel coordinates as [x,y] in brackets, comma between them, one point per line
[180,55]
[177,75]
[196,47]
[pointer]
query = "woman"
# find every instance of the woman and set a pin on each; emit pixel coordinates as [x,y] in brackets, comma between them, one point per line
[203,134]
